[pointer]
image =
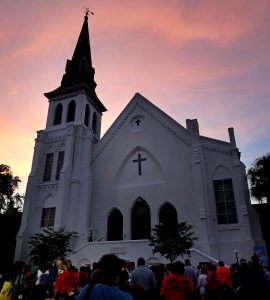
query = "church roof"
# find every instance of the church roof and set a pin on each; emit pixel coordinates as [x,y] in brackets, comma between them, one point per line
[162,119]
[79,70]
[154,112]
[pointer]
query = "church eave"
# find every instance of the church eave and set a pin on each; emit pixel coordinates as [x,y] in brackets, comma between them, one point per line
[65,90]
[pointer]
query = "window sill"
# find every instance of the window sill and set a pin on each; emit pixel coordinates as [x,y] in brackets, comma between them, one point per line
[224,227]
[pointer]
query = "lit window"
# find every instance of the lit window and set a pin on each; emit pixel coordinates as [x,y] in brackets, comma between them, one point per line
[225,203]
[48,215]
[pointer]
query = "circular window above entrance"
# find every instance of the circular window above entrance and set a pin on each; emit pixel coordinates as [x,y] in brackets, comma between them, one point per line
[137,123]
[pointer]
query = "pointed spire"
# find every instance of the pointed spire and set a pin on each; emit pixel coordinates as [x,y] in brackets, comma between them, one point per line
[79,69]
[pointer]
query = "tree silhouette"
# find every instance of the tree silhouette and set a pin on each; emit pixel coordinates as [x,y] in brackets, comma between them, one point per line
[172,242]
[259,178]
[10,202]
[49,244]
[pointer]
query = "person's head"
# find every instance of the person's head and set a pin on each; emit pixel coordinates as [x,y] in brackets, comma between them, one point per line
[187,262]
[255,259]
[95,266]
[128,265]
[67,265]
[109,267]
[243,262]
[168,267]
[141,261]
[178,268]
[42,267]
[59,262]
[18,268]
[132,265]
[221,263]
[212,267]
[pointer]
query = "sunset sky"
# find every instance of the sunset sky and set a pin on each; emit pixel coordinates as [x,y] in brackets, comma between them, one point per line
[207,59]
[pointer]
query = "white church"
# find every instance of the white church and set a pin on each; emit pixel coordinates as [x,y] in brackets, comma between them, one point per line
[146,169]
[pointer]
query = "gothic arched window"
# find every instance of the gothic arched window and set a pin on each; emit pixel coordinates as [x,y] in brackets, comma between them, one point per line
[140,221]
[71,111]
[168,216]
[58,114]
[115,226]
[94,122]
[86,115]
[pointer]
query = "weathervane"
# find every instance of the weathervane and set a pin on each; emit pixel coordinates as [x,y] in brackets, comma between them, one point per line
[87,11]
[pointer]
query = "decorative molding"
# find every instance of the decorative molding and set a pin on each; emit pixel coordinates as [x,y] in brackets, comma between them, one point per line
[212,149]
[236,161]
[55,138]
[196,155]
[244,210]
[48,186]
[202,214]
[66,96]
[118,250]
[228,227]
[166,126]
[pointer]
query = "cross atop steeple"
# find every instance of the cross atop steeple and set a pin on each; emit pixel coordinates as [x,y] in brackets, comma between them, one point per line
[87,11]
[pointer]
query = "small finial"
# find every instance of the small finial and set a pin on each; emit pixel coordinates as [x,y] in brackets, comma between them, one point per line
[87,11]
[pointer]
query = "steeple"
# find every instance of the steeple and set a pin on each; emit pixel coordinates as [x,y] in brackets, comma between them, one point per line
[79,69]
[79,72]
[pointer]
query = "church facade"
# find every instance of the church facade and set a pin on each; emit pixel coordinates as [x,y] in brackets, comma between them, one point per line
[146,169]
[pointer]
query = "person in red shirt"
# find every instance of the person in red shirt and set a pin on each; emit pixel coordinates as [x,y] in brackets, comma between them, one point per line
[66,283]
[176,286]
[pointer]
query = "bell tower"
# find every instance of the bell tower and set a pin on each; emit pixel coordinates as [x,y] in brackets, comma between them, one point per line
[75,100]
[59,187]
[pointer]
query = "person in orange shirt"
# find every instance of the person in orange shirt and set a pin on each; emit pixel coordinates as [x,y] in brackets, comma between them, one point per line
[223,274]
[225,287]
[176,286]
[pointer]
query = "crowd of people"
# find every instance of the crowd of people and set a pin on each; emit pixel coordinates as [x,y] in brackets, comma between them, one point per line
[113,278]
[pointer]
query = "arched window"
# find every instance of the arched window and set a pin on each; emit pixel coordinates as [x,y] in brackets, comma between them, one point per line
[115,226]
[94,122]
[71,111]
[86,115]
[58,114]
[225,201]
[168,216]
[140,221]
